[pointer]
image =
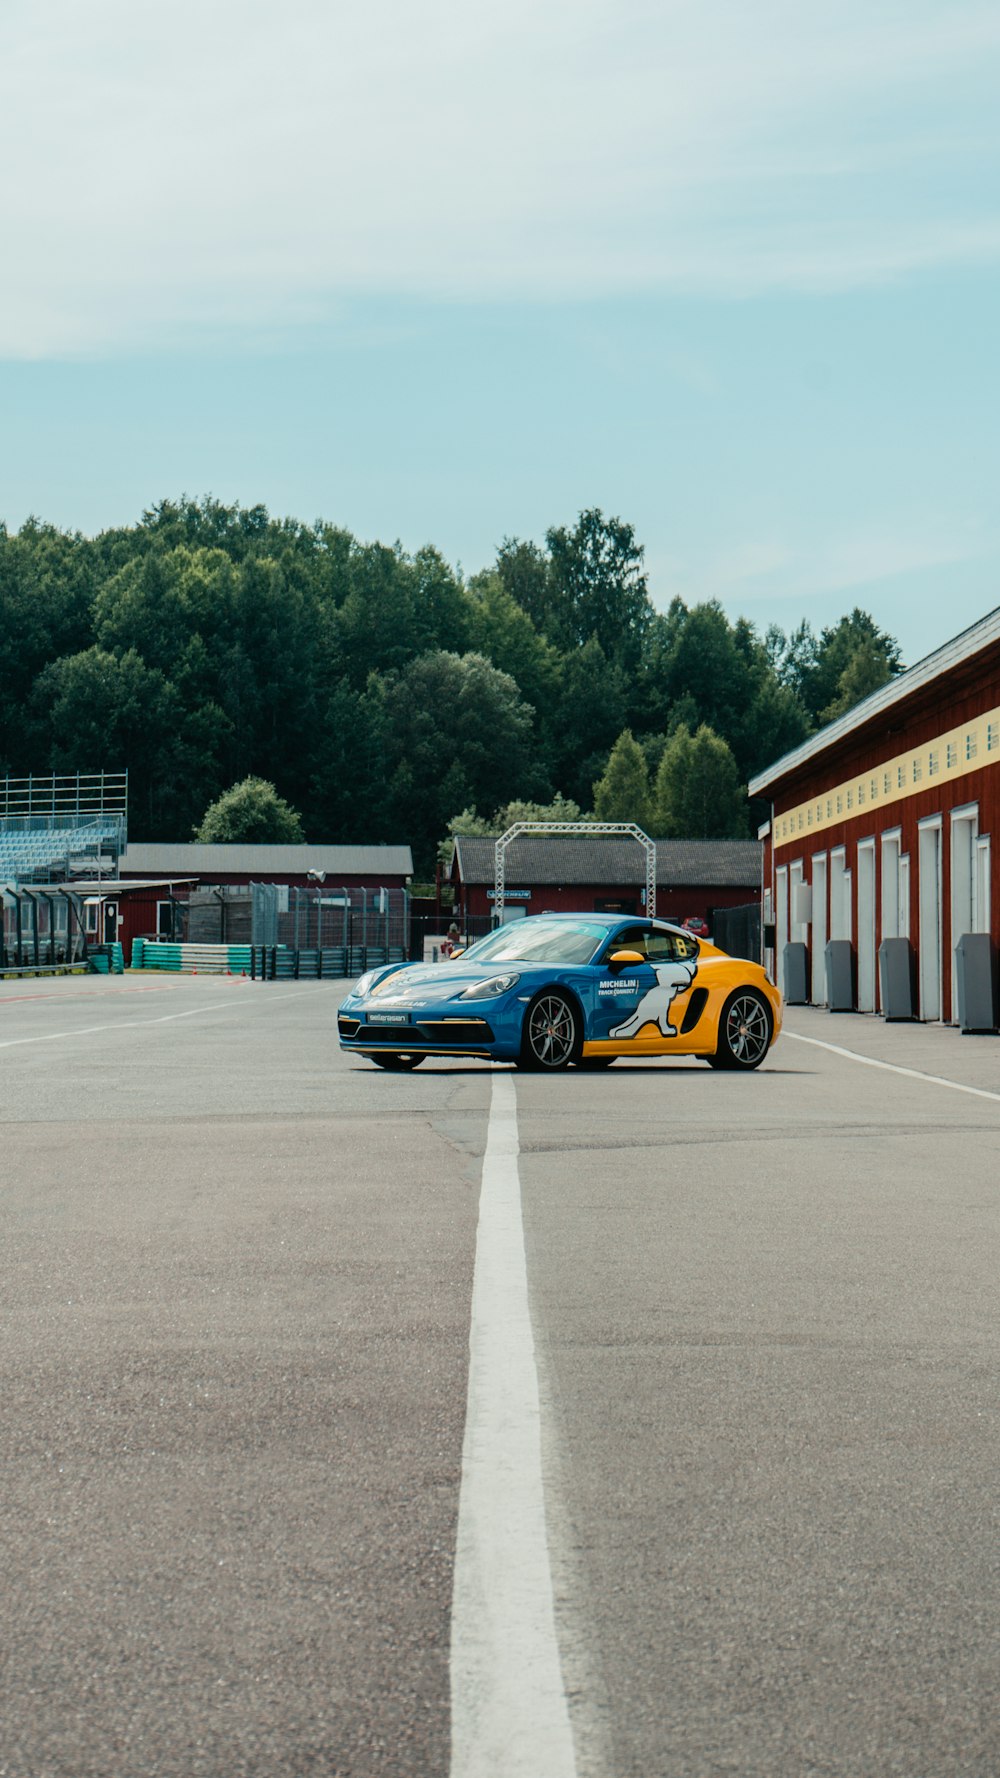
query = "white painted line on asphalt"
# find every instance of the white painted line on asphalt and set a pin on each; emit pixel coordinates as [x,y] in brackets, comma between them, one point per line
[9,1043]
[937,1080]
[509,1716]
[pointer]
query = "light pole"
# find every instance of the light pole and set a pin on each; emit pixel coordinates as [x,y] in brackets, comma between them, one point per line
[318,877]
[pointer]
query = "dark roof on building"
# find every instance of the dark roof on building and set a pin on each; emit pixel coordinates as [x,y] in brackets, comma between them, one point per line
[611,860]
[961,648]
[264,862]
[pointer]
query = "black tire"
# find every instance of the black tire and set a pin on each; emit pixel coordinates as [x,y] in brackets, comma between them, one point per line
[593,1062]
[397,1063]
[745,1030]
[552,1035]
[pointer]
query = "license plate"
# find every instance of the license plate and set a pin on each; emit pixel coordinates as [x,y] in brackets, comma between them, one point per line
[388,1018]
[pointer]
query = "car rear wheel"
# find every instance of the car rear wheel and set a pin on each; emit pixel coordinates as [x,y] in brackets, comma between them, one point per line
[399,1064]
[552,1034]
[744,1031]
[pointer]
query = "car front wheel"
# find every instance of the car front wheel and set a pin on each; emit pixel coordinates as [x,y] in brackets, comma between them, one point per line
[744,1031]
[552,1035]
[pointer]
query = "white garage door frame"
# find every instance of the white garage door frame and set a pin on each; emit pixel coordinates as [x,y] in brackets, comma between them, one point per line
[929,909]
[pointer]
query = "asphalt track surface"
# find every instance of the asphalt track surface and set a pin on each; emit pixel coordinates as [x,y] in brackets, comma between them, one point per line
[237,1289]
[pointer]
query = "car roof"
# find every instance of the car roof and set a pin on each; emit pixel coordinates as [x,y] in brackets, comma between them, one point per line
[608,920]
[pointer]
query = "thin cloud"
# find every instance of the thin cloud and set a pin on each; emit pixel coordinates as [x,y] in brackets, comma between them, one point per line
[765,571]
[178,172]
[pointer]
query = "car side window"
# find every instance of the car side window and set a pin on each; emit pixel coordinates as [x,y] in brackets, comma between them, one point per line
[670,947]
[633,939]
[656,947]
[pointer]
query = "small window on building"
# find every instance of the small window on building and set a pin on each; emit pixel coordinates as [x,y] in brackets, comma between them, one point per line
[861,794]
[933,763]
[850,799]
[992,736]
[887,782]
[873,789]
[951,755]
[971,744]
[840,805]
[918,771]
[829,807]
[900,777]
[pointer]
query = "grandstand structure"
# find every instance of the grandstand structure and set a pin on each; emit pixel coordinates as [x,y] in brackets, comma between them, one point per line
[59,828]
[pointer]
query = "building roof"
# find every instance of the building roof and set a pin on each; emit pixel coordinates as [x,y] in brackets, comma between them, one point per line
[263,862]
[945,659]
[120,885]
[101,885]
[611,860]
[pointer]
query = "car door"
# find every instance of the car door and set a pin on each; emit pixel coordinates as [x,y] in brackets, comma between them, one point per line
[644,1005]
[619,992]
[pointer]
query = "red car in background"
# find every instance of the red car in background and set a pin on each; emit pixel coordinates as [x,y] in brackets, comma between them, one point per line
[695,924]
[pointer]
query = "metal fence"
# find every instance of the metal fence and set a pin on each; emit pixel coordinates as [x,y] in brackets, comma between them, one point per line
[41,930]
[737,931]
[316,931]
[73,797]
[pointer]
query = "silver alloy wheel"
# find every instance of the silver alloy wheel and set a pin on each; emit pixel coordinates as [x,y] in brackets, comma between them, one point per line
[748,1030]
[551,1032]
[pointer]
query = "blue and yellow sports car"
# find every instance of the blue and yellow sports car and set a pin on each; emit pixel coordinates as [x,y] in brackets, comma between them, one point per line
[557,989]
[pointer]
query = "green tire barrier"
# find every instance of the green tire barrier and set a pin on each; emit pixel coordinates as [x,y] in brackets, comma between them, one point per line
[191,959]
[109,960]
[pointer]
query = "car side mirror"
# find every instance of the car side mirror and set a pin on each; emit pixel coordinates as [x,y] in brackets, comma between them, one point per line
[625,960]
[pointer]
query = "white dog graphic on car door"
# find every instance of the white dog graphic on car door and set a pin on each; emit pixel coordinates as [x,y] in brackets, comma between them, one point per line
[654,1007]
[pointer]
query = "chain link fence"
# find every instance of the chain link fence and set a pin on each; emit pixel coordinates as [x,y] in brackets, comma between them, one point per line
[324,930]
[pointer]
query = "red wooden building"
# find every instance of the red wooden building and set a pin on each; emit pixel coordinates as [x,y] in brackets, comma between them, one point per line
[881,828]
[56,921]
[581,873]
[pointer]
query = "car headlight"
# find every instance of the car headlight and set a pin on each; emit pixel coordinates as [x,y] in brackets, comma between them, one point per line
[497,984]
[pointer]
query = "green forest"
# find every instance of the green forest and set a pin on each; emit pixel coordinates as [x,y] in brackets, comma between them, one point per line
[387,696]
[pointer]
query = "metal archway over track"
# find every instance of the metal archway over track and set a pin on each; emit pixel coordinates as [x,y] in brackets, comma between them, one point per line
[628,828]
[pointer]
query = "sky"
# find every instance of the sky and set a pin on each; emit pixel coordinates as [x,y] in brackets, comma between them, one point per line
[452,273]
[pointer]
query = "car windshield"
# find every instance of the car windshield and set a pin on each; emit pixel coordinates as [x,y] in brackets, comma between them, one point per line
[539,941]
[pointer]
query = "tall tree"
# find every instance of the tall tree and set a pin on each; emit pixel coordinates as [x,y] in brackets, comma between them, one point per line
[251,813]
[704,669]
[622,792]
[870,666]
[501,629]
[597,587]
[845,663]
[698,794]
[93,709]
[47,580]
[523,569]
[458,733]
[588,715]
